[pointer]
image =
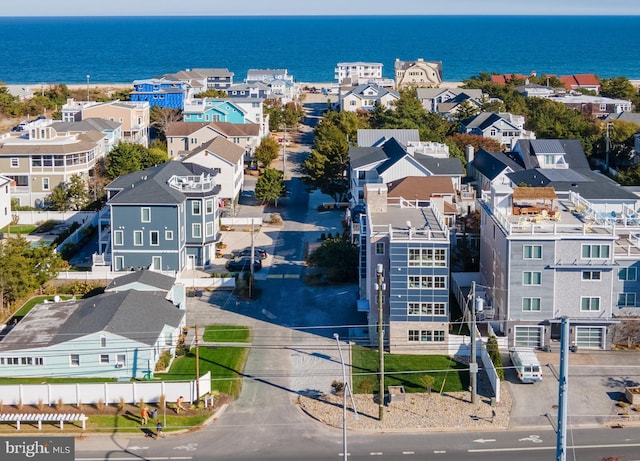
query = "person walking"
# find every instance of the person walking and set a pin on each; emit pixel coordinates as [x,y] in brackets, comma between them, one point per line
[159,432]
[179,403]
[144,415]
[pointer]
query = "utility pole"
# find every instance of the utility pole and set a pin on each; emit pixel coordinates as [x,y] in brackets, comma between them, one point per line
[197,366]
[473,366]
[346,388]
[379,287]
[252,261]
[563,391]
[284,148]
[88,77]
[608,145]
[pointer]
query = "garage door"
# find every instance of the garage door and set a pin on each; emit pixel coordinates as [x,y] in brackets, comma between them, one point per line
[528,336]
[590,337]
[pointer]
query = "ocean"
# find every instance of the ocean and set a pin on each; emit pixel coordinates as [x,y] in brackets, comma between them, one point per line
[123,49]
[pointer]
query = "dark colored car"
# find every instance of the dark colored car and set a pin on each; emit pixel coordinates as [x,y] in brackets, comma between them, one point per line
[243,264]
[258,252]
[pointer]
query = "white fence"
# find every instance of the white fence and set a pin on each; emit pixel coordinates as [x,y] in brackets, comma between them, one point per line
[226,283]
[37,217]
[461,346]
[108,393]
[237,221]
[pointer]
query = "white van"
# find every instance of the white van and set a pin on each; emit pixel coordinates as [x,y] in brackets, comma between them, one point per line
[526,364]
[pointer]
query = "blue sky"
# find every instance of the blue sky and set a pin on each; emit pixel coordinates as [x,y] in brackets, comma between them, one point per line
[316,7]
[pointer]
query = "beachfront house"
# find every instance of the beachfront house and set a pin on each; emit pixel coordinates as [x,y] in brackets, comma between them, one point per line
[161,92]
[366,97]
[447,101]
[419,73]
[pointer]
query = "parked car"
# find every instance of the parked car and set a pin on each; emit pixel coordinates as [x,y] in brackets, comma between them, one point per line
[243,263]
[258,252]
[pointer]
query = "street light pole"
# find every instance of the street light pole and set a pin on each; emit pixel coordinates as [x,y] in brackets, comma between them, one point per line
[284,149]
[473,366]
[88,77]
[379,288]
[346,388]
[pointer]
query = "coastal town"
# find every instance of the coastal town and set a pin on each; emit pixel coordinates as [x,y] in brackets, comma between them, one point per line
[452,221]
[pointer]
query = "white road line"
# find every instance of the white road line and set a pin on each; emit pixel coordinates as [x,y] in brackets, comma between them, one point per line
[573,447]
[440,451]
[408,452]
[376,453]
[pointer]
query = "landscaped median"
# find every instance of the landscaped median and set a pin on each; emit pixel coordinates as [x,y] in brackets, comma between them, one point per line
[217,356]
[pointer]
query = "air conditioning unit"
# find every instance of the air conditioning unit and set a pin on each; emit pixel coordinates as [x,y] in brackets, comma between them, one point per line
[119,365]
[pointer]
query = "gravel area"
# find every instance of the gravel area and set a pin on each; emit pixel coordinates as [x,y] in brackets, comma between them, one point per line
[417,412]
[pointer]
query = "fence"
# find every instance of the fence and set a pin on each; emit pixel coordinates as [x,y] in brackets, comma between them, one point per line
[237,221]
[461,346]
[36,217]
[107,393]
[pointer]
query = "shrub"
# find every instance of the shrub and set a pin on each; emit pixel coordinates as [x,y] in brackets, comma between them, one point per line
[337,386]
[121,404]
[40,404]
[366,386]
[162,400]
[164,359]
[427,382]
[19,405]
[100,404]
[494,353]
[59,404]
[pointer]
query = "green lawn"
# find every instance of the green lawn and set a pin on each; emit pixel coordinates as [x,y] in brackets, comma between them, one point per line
[26,307]
[226,334]
[225,364]
[129,422]
[19,229]
[406,370]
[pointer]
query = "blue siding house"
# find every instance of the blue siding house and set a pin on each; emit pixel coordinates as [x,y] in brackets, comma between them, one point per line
[409,240]
[213,110]
[164,218]
[160,92]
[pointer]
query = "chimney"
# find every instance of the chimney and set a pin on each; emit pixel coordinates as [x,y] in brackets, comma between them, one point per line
[469,153]
[375,196]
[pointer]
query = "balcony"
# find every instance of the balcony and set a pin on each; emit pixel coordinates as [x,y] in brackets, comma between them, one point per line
[192,184]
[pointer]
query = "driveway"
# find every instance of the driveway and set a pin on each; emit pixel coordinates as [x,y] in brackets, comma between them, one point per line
[596,383]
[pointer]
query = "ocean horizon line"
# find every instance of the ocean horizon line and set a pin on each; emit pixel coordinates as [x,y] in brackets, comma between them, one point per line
[319,16]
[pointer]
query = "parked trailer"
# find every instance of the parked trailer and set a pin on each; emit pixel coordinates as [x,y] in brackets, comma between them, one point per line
[526,364]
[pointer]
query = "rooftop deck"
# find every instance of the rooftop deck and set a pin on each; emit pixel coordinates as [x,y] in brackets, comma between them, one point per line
[409,220]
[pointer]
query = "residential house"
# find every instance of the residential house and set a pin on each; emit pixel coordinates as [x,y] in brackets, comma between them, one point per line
[420,73]
[216,78]
[505,128]
[257,90]
[557,240]
[112,335]
[377,137]
[5,201]
[532,90]
[161,92]
[594,106]
[391,161]
[39,158]
[164,218]
[447,101]
[279,81]
[435,191]
[226,160]
[358,73]
[146,280]
[407,242]
[133,116]
[581,82]
[112,131]
[22,92]
[367,97]
[232,110]
[184,137]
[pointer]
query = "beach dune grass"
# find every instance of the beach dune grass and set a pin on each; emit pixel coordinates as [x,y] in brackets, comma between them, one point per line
[226,365]
[406,370]
[226,334]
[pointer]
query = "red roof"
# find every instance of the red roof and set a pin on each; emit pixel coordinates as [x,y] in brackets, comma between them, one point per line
[572,82]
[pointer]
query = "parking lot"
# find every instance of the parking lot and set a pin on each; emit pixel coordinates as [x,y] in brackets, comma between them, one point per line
[596,383]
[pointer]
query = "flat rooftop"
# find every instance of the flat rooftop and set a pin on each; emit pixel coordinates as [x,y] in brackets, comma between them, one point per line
[408,222]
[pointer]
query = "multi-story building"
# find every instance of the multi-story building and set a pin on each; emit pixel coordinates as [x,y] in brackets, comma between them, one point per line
[366,97]
[409,241]
[420,73]
[356,73]
[164,218]
[111,130]
[5,201]
[161,92]
[505,128]
[39,158]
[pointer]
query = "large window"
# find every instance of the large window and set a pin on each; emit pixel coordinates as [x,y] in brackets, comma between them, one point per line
[532,278]
[154,237]
[45,184]
[118,238]
[589,304]
[209,229]
[137,238]
[145,214]
[532,251]
[591,275]
[209,206]
[426,308]
[427,281]
[104,358]
[195,207]
[531,304]
[427,336]
[196,230]
[427,257]
[627,274]
[379,248]
[627,299]
[595,251]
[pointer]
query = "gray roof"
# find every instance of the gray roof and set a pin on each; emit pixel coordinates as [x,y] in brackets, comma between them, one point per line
[431,93]
[441,166]
[482,121]
[137,315]
[491,164]
[146,277]
[150,186]
[572,149]
[361,156]
[394,151]
[589,184]
[373,137]
[624,116]
[381,91]
[214,72]
[88,124]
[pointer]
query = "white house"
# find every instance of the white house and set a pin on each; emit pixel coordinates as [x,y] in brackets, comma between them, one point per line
[366,97]
[356,73]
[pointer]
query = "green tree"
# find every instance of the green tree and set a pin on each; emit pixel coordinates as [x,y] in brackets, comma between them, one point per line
[270,186]
[153,156]
[212,93]
[618,88]
[10,105]
[58,198]
[267,151]
[427,381]
[123,159]
[339,256]
[465,110]
[70,196]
